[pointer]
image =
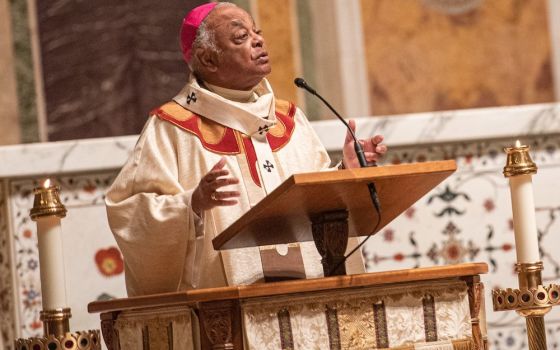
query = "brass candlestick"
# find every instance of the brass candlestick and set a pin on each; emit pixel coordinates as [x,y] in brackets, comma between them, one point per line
[531,300]
[56,317]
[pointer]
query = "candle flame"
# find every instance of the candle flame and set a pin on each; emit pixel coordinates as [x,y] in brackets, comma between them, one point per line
[517,143]
[47,183]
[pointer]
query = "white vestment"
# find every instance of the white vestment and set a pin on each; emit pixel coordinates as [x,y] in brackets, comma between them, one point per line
[166,246]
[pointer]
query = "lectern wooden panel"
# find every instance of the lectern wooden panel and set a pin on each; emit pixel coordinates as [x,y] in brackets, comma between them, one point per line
[284,215]
[428,308]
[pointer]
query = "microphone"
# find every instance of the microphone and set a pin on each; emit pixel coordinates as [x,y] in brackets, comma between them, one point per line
[301,83]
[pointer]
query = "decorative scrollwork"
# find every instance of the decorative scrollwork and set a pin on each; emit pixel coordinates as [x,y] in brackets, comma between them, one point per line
[218,323]
[330,234]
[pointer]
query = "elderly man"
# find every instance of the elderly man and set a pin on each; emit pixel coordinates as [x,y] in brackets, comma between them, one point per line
[205,158]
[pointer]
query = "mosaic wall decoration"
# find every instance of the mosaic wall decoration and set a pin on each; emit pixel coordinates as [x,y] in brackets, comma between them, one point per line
[88,245]
[468,218]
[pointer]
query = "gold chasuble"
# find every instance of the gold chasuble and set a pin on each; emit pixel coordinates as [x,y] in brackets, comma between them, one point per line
[166,246]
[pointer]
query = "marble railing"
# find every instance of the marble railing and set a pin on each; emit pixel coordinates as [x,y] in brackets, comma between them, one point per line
[466,218]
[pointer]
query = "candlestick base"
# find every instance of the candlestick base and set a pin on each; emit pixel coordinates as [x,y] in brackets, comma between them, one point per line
[57,335]
[531,300]
[82,340]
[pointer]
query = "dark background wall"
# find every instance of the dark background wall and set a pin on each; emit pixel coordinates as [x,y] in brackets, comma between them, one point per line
[106,64]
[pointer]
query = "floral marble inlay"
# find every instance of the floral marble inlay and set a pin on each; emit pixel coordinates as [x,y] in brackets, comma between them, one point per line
[109,261]
[468,218]
[7,331]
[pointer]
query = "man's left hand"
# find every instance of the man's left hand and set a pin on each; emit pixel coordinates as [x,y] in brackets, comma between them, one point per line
[373,149]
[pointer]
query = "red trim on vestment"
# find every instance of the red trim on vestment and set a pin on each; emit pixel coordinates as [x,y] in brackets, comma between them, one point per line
[288,120]
[227,144]
[251,155]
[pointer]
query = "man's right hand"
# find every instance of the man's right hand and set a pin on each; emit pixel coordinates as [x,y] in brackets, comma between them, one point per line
[206,195]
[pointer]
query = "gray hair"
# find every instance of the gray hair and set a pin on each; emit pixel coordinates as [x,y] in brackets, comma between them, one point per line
[205,39]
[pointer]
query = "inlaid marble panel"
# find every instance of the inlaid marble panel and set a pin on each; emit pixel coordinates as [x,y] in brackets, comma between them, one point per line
[468,218]
[7,303]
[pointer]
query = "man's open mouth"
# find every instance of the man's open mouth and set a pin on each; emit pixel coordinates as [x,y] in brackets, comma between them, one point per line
[262,56]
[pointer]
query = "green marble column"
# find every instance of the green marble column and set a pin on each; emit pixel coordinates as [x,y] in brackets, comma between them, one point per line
[24,71]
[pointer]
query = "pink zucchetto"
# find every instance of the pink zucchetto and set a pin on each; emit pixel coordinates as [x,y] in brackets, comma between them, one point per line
[190,25]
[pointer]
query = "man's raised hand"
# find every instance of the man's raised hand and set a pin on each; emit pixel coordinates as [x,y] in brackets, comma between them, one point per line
[373,148]
[206,195]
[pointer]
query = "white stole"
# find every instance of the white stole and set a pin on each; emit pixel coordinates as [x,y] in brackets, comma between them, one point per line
[250,118]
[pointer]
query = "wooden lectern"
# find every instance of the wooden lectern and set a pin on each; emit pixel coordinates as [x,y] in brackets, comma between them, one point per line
[328,207]
[428,308]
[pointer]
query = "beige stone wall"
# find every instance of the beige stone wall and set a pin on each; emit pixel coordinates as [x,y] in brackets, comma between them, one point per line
[276,19]
[420,59]
[9,120]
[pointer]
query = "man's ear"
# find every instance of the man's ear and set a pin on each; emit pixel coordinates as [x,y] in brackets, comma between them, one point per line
[207,59]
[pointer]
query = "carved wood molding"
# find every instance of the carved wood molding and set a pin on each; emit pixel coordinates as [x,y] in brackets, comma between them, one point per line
[110,337]
[330,234]
[220,323]
[476,298]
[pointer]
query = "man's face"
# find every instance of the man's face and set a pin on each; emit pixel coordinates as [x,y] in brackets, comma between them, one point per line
[243,62]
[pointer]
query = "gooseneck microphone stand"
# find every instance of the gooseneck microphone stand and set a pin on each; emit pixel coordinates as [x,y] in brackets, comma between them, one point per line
[301,83]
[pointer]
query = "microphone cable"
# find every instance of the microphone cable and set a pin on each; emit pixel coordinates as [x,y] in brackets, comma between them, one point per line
[301,83]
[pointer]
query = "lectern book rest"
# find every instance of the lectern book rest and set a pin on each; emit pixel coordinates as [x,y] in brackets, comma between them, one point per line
[330,206]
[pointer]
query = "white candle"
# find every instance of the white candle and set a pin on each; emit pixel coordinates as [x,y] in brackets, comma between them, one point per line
[53,283]
[524,222]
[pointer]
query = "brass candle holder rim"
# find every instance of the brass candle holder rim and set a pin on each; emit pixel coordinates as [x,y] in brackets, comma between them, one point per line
[529,267]
[534,298]
[519,161]
[47,203]
[517,148]
[55,314]
[46,189]
[42,212]
[520,170]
